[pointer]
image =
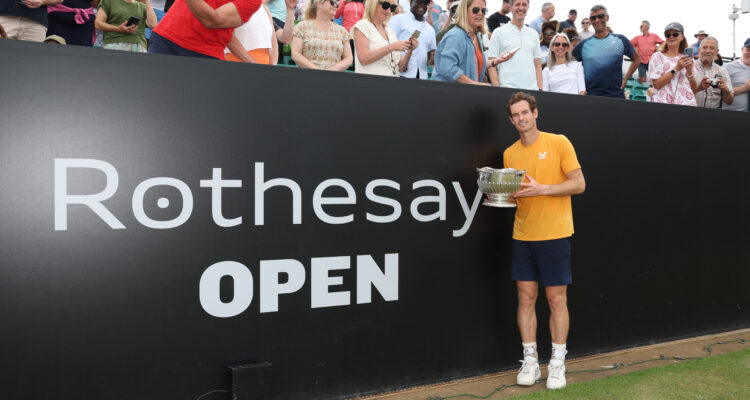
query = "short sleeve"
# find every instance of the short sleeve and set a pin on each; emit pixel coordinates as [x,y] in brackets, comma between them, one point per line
[629,49]
[495,43]
[655,67]
[537,49]
[298,30]
[568,158]
[104,5]
[246,8]
[727,79]
[362,27]
[578,51]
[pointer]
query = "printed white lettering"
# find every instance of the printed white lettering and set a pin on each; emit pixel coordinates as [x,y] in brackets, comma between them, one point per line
[440,199]
[216,184]
[320,281]
[261,187]
[209,289]
[469,213]
[140,192]
[319,201]
[369,274]
[269,282]
[92,201]
[370,193]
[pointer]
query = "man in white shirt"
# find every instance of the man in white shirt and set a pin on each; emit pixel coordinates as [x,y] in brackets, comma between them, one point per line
[404,25]
[548,12]
[521,69]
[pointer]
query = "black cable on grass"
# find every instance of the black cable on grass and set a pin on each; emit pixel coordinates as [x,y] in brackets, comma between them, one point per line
[708,349]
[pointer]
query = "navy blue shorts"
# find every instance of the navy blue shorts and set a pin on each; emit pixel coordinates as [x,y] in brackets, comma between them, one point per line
[545,261]
[161,45]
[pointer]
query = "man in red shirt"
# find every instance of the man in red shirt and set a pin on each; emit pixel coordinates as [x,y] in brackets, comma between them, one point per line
[645,43]
[200,28]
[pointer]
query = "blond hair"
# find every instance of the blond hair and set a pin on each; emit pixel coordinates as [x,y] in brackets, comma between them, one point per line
[371,7]
[311,9]
[462,17]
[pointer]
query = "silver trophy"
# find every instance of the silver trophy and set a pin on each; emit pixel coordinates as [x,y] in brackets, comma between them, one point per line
[499,184]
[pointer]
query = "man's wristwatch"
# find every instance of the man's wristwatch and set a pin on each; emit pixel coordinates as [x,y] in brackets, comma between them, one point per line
[674,73]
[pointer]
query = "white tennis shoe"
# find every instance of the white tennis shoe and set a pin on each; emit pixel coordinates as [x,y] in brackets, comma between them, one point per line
[529,372]
[556,376]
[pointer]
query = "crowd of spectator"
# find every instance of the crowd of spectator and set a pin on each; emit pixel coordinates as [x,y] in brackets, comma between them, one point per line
[414,39]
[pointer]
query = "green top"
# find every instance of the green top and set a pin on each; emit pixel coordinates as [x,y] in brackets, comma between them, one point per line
[119,11]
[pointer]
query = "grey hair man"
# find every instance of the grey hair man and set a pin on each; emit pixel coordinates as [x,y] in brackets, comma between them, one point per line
[715,86]
[548,12]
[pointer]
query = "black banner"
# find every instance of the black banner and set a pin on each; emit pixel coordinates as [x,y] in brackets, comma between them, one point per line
[165,218]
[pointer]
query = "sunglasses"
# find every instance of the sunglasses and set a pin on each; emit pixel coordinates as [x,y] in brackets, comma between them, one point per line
[386,5]
[594,17]
[558,44]
[476,10]
[334,3]
[674,35]
[549,33]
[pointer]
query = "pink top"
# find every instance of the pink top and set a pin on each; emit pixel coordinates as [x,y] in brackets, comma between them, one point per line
[352,11]
[646,45]
[678,90]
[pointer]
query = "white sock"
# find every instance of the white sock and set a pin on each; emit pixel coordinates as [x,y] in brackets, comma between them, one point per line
[529,351]
[558,354]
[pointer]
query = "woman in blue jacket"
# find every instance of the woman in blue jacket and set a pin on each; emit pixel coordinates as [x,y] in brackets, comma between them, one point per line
[460,54]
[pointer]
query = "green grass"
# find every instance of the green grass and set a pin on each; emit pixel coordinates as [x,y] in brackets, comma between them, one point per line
[724,377]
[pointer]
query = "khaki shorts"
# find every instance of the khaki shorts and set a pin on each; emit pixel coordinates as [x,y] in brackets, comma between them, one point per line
[22,28]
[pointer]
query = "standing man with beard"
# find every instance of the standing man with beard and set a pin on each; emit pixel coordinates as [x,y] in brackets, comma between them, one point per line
[499,18]
[515,49]
[404,25]
[541,234]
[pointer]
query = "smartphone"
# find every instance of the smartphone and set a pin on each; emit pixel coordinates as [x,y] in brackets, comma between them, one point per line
[689,51]
[507,53]
[416,34]
[133,21]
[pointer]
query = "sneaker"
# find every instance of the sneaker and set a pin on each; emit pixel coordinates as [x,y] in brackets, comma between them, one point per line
[529,372]
[556,377]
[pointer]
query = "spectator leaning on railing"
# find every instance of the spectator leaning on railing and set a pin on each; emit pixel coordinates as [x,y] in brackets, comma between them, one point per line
[714,88]
[377,48]
[460,55]
[25,19]
[739,72]
[516,47]
[113,19]
[602,57]
[563,73]
[405,25]
[200,28]
[318,42]
[671,72]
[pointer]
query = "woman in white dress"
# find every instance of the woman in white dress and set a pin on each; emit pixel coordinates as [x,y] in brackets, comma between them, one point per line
[563,74]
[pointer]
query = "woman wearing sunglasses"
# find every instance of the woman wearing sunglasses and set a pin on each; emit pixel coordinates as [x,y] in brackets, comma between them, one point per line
[377,50]
[671,72]
[563,74]
[460,55]
[318,42]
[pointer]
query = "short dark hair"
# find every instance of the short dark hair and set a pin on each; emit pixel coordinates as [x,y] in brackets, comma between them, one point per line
[522,96]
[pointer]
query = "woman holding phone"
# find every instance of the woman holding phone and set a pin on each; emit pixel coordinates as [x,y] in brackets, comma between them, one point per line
[670,71]
[563,74]
[460,54]
[377,50]
[124,23]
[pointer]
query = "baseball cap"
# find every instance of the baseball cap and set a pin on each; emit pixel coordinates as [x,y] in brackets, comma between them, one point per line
[747,43]
[674,26]
[574,12]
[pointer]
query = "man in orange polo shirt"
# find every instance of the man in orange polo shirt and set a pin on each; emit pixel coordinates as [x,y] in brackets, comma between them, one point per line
[200,28]
[541,233]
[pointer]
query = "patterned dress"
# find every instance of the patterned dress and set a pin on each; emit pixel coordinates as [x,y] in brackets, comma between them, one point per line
[678,90]
[322,48]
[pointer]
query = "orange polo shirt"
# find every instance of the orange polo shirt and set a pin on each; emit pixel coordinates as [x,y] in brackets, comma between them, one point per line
[547,160]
